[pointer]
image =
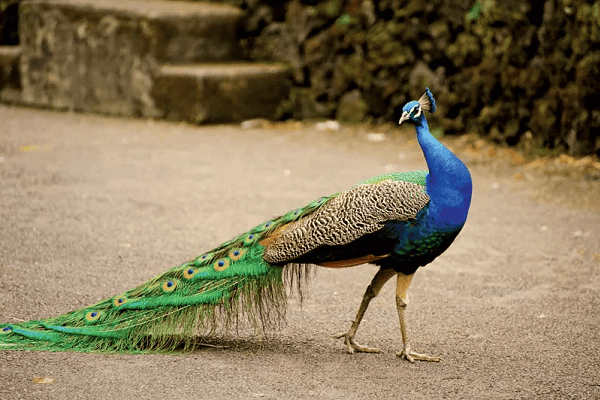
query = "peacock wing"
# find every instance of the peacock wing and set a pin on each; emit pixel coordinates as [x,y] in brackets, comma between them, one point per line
[346,218]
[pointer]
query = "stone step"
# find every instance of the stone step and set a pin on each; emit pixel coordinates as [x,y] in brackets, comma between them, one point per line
[169,31]
[220,92]
[149,58]
[103,55]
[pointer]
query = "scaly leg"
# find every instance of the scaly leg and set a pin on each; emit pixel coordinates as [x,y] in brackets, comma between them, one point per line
[401,303]
[380,278]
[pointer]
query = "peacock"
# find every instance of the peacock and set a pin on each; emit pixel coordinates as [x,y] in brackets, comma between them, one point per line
[397,221]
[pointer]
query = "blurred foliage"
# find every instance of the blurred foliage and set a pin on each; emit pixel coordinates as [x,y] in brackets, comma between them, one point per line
[498,68]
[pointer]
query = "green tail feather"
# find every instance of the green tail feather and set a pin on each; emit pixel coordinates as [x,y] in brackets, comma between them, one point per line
[207,295]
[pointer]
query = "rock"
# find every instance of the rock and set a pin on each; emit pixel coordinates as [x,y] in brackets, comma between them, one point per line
[331,126]
[256,123]
[375,137]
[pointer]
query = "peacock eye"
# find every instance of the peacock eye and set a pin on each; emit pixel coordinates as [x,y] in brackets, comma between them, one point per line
[415,111]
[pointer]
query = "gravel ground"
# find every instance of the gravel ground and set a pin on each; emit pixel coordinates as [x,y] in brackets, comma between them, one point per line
[92,206]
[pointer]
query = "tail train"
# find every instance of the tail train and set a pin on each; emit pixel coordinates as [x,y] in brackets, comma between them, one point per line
[210,293]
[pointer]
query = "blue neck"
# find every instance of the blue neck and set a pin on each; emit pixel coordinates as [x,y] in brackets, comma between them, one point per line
[449,182]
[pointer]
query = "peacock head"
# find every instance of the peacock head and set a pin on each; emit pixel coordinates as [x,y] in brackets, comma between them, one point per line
[413,110]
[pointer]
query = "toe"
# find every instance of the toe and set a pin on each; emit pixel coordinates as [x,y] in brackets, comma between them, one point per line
[364,349]
[425,357]
[411,356]
[406,356]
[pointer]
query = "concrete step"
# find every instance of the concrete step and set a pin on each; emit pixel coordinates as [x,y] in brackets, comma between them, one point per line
[103,55]
[220,92]
[169,31]
[149,58]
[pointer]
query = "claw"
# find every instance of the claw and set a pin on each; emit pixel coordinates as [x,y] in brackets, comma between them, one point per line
[354,347]
[411,356]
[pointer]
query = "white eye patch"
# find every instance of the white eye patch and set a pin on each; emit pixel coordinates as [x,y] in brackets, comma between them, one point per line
[419,110]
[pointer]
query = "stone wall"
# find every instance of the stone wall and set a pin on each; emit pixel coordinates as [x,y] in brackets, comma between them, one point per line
[502,68]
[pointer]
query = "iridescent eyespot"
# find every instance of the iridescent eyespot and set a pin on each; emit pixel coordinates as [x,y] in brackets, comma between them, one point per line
[268,224]
[7,329]
[292,215]
[169,286]
[189,273]
[318,202]
[250,238]
[236,254]
[221,265]
[119,301]
[203,258]
[92,316]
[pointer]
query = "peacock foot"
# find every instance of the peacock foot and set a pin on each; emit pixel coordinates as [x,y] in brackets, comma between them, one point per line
[411,356]
[354,347]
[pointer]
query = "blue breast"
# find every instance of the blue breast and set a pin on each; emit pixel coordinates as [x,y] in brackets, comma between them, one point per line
[420,240]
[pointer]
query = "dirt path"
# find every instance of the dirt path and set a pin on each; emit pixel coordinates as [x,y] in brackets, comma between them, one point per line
[91,206]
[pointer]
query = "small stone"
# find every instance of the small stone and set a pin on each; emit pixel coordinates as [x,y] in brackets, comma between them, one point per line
[257,123]
[328,126]
[375,137]
[43,381]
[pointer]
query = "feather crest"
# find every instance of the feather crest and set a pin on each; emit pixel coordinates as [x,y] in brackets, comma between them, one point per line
[427,101]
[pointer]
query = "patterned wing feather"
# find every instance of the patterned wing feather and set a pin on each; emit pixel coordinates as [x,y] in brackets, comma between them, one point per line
[350,215]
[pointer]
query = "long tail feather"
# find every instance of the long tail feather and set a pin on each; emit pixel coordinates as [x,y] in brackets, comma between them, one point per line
[207,295]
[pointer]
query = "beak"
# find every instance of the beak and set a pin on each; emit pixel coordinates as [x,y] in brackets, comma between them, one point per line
[403,118]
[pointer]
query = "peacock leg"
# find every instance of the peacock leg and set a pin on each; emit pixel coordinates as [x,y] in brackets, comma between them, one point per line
[380,278]
[401,303]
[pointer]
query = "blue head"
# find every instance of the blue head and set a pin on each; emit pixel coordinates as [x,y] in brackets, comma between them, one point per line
[413,110]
